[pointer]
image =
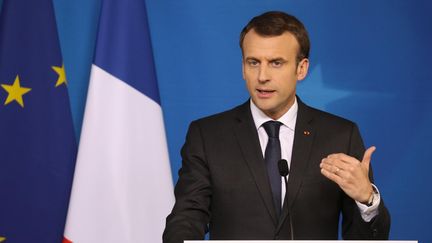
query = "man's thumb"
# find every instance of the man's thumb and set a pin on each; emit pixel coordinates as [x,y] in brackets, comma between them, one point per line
[368,155]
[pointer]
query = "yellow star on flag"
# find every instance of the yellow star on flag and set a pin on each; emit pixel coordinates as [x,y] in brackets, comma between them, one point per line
[15,91]
[2,239]
[62,75]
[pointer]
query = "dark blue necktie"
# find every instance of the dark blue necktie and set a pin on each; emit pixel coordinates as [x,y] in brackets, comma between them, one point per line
[272,157]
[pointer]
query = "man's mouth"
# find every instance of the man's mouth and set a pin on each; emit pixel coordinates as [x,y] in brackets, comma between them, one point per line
[265,93]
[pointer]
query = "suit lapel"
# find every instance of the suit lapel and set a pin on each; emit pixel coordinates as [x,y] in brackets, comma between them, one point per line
[303,139]
[247,138]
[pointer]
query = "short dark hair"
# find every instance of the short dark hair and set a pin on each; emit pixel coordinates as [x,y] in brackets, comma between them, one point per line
[275,23]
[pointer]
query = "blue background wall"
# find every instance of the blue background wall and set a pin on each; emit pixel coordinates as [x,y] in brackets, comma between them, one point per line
[371,62]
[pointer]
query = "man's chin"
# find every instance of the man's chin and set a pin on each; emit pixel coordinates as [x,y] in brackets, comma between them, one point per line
[268,109]
[264,104]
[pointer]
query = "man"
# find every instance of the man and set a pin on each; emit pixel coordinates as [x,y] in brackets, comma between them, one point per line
[229,183]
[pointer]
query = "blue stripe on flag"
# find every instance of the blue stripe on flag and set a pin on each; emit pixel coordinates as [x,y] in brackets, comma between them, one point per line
[129,59]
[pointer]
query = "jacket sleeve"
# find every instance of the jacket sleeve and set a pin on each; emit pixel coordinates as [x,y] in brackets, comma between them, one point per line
[190,215]
[353,226]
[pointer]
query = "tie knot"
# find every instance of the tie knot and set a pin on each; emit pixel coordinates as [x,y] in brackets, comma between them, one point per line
[272,128]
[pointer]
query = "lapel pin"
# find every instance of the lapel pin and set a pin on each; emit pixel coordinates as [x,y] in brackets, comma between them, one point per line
[307,133]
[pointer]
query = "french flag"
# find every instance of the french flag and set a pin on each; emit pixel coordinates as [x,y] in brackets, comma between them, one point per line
[122,189]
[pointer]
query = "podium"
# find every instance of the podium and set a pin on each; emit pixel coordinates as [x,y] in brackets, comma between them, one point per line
[301,241]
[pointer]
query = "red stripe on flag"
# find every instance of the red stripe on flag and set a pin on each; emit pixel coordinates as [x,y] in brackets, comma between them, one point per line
[65,240]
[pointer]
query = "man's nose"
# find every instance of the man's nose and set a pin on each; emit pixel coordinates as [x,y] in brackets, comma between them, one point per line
[264,74]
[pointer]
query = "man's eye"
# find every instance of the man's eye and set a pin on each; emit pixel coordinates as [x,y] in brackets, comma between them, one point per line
[253,63]
[276,63]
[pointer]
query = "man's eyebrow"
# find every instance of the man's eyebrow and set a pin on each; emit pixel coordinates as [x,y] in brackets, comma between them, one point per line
[274,59]
[251,58]
[279,59]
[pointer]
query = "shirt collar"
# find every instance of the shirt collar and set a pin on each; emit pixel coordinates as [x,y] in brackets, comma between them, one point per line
[288,119]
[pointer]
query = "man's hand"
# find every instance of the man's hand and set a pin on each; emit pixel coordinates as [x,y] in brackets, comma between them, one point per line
[351,175]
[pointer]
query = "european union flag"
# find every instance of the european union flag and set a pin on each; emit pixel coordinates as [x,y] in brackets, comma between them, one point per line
[37,143]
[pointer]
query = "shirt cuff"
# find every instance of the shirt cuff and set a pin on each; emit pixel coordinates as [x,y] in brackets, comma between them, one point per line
[369,212]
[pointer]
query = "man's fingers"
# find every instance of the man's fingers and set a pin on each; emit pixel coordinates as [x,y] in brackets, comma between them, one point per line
[342,164]
[329,167]
[332,176]
[340,171]
[343,158]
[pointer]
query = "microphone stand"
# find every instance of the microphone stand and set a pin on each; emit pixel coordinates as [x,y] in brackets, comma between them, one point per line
[284,171]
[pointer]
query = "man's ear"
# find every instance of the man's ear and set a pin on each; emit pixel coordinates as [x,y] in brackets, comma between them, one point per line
[302,69]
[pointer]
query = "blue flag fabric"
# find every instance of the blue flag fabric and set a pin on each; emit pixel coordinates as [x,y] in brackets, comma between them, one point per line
[124,47]
[37,143]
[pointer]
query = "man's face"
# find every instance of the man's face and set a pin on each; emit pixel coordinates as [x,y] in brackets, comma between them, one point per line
[271,71]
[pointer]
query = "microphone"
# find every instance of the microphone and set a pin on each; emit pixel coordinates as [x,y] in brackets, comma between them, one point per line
[284,171]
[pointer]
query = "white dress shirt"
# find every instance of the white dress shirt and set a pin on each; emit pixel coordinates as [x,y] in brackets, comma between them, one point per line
[286,137]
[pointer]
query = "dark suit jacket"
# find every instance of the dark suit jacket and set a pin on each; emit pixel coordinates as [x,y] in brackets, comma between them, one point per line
[223,184]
